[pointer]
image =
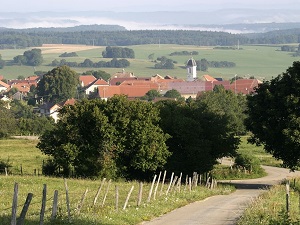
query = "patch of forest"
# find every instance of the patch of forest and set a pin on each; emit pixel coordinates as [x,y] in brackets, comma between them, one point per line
[35,38]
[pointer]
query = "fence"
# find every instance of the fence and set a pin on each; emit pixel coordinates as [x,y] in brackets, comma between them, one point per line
[119,196]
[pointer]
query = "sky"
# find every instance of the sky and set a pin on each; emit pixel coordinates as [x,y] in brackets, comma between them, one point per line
[141,5]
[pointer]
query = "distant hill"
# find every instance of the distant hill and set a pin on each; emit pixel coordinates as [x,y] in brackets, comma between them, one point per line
[94,27]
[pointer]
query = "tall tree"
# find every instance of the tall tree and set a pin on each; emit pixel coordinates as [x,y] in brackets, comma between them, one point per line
[58,84]
[226,103]
[198,136]
[274,116]
[114,138]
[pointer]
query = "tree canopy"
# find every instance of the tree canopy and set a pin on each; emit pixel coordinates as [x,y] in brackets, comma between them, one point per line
[58,84]
[113,138]
[274,116]
[118,52]
[199,136]
[30,57]
[226,103]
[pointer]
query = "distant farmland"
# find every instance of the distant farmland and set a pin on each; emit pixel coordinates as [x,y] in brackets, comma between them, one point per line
[262,62]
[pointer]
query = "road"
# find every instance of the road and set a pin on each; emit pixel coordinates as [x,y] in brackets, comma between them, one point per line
[224,209]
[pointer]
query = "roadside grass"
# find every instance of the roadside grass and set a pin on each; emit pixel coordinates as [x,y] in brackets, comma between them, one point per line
[229,172]
[97,214]
[270,208]
[263,62]
[258,152]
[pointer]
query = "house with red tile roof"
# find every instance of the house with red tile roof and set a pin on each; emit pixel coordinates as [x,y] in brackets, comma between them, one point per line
[94,85]
[86,80]
[4,86]
[132,90]
[123,74]
[52,109]
[244,86]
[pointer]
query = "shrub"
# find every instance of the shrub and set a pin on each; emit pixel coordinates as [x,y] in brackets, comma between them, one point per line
[249,162]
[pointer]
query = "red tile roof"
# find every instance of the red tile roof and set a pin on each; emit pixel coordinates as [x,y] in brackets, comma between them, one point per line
[86,80]
[4,84]
[132,91]
[245,86]
[68,102]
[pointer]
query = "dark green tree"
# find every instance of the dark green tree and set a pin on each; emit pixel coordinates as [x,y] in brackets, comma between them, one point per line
[33,57]
[2,62]
[114,138]
[198,136]
[59,84]
[173,94]
[273,116]
[98,74]
[8,123]
[151,95]
[226,103]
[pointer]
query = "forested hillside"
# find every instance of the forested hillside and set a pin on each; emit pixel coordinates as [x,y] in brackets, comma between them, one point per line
[37,37]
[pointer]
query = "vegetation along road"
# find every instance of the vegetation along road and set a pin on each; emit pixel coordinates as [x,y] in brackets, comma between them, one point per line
[224,209]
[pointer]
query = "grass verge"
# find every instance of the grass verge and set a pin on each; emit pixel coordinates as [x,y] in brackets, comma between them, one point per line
[98,214]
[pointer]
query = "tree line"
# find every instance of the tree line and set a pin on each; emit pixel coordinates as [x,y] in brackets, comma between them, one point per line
[114,63]
[29,38]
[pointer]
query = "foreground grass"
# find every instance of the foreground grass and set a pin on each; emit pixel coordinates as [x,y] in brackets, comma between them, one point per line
[270,208]
[98,214]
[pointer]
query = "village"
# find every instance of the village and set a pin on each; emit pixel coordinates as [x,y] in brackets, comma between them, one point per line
[134,87]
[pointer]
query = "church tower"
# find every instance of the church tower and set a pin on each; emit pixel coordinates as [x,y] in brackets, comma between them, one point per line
[191,67]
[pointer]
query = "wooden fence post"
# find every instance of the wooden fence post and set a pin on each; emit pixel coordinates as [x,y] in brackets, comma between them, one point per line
[170,183]
[54,205]
[15,205]
[43,208]
[179,182]
[173,183]
[140,194]
[25,209]
[151,189]
[190,184]
[98,192]
[163,182]
[82,201]
[287,186]
[117,198]
[107,189]
[6,174]
[154,196]
[127,199]
[67,199]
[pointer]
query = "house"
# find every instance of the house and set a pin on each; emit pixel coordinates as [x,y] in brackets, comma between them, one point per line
[132,89]
[123,74]
[188,88]
[94,85]
[86,80]
[4,87]
[52,109]
[244,86]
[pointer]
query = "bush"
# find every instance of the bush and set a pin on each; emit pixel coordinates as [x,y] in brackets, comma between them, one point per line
[4,165]
[249,162]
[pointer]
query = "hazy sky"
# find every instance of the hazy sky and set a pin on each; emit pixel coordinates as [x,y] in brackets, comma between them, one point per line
[141,5]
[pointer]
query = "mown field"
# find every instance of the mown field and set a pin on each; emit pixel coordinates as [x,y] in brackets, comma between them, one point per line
[263,62]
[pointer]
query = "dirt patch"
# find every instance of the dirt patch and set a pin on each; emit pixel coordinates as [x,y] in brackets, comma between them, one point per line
[61,48]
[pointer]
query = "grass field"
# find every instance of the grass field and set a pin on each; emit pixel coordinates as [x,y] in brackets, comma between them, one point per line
[263,62]
[24,152]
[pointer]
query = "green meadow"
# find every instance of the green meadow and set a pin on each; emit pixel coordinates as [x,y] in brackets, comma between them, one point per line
[262,62]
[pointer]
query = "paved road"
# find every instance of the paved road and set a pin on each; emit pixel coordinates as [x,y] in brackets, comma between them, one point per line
[224,209]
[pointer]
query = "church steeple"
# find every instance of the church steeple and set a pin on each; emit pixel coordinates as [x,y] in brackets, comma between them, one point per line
[191,67]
